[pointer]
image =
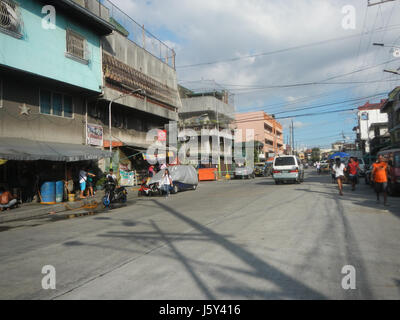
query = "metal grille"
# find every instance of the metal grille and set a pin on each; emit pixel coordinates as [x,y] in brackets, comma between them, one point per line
[10,18]
[76,45]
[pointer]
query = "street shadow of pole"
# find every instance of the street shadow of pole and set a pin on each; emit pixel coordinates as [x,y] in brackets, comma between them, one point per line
[185,262]
[261,269]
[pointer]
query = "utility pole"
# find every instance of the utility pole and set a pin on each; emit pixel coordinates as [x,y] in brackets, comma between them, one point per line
[292,133]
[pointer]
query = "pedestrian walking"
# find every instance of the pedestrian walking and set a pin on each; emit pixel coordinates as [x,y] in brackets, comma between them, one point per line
[151,171]
[333,175]
[319,167]
[380,178]
[90,182]
[353,167]
[339,169]
[166,183]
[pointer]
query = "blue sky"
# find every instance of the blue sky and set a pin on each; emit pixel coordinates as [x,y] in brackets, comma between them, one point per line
[293,36]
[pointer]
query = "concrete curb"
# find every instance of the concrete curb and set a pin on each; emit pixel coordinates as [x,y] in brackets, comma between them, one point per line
[31,211]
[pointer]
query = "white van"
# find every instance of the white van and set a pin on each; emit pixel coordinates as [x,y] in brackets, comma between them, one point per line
[288,169]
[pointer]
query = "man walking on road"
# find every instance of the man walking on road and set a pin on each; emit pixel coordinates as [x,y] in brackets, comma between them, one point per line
[353,168]
[339,169]
[380,178]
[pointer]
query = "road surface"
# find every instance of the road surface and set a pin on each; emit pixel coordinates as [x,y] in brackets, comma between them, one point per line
[228,240]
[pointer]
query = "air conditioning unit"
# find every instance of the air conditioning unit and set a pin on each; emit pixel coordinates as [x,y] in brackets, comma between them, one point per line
[10,17]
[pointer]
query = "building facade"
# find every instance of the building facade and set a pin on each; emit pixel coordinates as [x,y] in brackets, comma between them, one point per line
[392,110]
[49,70]
[210,116]
[369,118]
[267,131]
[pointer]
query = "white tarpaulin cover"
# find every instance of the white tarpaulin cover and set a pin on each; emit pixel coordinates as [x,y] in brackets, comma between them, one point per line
[182,174]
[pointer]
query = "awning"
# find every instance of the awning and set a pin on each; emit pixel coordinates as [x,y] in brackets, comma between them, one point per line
[24,149]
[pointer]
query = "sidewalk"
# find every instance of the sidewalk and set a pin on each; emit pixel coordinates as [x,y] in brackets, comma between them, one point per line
[36,210]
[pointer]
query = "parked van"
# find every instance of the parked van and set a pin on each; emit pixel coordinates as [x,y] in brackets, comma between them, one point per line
[392,157]
[288,169]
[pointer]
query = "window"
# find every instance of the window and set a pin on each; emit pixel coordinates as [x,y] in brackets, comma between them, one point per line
[55,104]
[285,161]
[76,46]
[10,18]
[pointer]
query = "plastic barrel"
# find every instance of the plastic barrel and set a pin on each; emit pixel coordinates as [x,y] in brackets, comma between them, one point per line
[59,191]
[48,192]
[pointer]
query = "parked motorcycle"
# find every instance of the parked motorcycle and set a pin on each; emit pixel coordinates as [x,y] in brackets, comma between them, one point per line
[148,191]
[114,194]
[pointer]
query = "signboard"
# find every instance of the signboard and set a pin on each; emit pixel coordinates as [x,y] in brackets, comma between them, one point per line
[162,135]
[127,178]
[94,135]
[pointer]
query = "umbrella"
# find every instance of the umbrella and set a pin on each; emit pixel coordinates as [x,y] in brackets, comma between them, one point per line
[339,155]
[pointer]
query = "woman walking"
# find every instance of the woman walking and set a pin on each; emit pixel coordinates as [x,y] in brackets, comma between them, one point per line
[166,183]
[339,169]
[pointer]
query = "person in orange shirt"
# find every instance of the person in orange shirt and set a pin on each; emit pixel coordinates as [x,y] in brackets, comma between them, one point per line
[380,177]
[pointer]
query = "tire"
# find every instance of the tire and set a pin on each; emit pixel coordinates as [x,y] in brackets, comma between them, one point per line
[277,182]
[175,189]
[106,202]
[194,187]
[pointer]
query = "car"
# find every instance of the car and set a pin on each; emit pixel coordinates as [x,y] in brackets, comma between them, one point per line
[288,169]
[244,172]
[183,177]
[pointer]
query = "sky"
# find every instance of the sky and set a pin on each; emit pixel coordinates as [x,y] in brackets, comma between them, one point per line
[282,56]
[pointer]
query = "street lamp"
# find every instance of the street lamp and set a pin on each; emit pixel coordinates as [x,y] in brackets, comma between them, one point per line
[109,111]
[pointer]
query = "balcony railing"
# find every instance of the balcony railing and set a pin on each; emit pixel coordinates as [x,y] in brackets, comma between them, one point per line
[138,34]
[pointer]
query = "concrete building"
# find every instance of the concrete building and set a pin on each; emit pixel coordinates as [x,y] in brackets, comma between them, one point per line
[392,109]
[371,121]
[267,131]
[57,83]
[48,73]
[130,64]
[210,116]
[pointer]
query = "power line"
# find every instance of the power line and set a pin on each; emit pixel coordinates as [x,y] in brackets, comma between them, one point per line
[283,50]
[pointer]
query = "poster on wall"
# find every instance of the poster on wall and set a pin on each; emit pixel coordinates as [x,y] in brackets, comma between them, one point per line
[127,178]
[162,135]
[94,135]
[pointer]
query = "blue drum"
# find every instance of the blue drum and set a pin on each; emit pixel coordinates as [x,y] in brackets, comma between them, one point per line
[48,193]
[59,191]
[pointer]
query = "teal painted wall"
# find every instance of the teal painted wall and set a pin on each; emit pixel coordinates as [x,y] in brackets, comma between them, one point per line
[42,51]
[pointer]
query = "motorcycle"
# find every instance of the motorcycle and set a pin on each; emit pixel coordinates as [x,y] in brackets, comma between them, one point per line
[148,191]
[114,194]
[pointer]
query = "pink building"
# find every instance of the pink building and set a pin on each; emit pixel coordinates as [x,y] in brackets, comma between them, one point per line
[267,130]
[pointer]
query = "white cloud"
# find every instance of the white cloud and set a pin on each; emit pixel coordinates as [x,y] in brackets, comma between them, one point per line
[213,30]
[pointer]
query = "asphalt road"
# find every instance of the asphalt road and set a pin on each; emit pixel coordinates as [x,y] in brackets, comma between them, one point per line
[227,240]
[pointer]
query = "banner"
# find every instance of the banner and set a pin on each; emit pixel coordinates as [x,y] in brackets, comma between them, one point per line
[162,135]
[127,178]
[94,135]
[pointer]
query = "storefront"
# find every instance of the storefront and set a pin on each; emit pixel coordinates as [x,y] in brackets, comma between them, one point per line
[26,164]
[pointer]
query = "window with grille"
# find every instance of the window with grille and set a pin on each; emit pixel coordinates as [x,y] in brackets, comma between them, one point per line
[10,18]
[55,104]
[76,46]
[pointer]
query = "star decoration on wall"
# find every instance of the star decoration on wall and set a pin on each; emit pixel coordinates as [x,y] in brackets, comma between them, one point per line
[24,110]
